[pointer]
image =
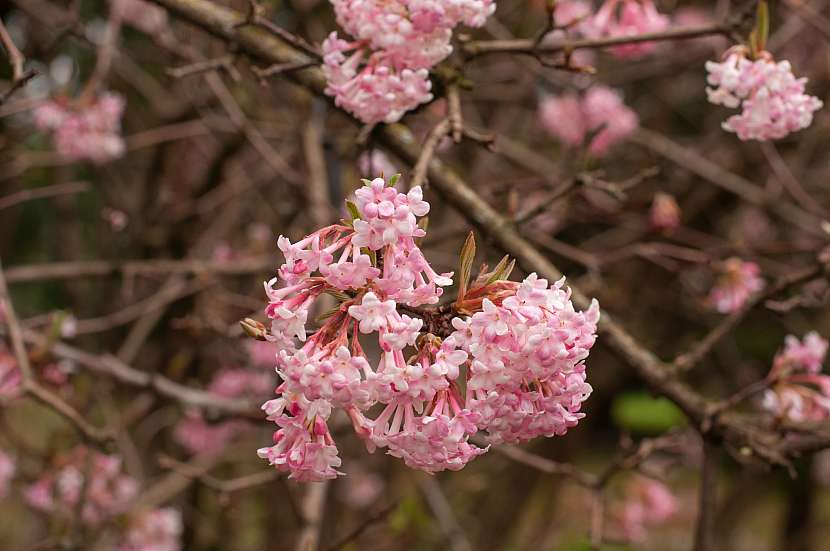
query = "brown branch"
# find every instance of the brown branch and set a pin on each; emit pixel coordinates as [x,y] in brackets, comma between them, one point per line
[44,192]
[227,487]
[533,46]
[16,60]
[705,526]
[419,172]
[132,268]
[313,508]
[362,527]
[224,63]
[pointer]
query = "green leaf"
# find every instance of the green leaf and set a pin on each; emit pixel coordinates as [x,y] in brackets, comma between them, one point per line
[640,412]
[762,25]
[393,180]
[352,208]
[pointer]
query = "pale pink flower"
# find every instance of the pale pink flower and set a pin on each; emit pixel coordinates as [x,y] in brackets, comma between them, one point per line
[601,111]
[84,132]
[665,213]
[7,470]
[738,281]
[200,437]
[799,391]
[154,530]
[372,313]
[772,100]
[262,353]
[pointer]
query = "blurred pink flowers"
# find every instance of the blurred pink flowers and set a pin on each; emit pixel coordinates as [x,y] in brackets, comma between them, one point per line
[154,530]
[738,281]
[84,132]
[799,392]
[773,102]
[10,378]
[648,502]
[627,18]
[108,489]
[599,114]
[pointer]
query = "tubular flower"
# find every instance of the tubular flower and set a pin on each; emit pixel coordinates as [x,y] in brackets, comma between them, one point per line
[738,281]
[601,111]
[665,213]
[773,102]
[519,347]
[799,391]
[84,132]
[396,43]
[627,18]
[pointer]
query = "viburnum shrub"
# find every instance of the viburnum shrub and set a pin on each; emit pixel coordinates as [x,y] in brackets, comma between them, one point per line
[504,359]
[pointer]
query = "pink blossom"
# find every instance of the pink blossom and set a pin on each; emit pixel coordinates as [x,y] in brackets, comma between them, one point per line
[396,43]
[262,353]
[108,490]
[647,503]
[627,18]
[84,132]
[7,470]
[799,391]
[665,213]
[737,282]
[600,110]
[772,100]
[375,163]
[520,348]
[154,530]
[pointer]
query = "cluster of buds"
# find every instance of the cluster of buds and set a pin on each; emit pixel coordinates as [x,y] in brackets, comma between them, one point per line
[505,358]
[200,437]
[737,282]
[85,130]
[647,503]
[599,116]
[772,100]
[384,71]
[798,391]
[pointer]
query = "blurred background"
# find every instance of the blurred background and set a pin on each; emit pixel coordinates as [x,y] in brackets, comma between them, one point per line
[154,256]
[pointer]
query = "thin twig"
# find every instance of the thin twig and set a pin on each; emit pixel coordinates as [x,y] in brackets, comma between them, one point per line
[313,508]
[419,173]
[16,60]
[705,526]
[362,527]
[55,190]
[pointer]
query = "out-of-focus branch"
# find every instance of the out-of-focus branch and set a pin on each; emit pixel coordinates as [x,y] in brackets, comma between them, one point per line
[16,60]
[313,508]
[56,190]
[419,172]
[443,513]
[705,526]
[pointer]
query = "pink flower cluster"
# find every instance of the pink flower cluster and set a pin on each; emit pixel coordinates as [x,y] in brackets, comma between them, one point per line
[773,102]
[599,114]
[108,489]
[799,391]
[7,470]
[738,281]
[648,502]
[626,18]
[384,72]
[521,347]
[84,132]
[197,435]
[154,530]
